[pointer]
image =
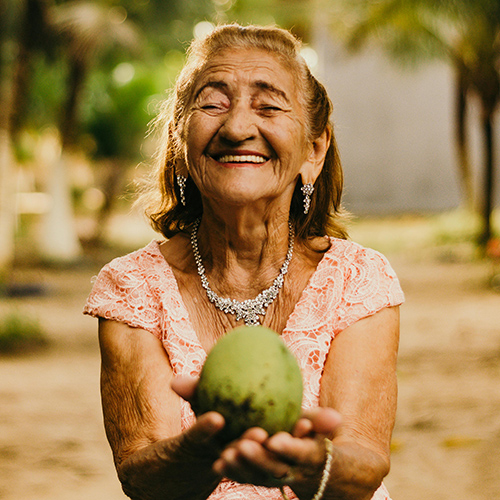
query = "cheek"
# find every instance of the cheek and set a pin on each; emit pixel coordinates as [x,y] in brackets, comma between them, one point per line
[290,145]
[197,131]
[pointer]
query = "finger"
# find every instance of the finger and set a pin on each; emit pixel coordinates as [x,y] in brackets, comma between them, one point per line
[256,434]
[205,428]
[200,439]
[248,462]
[324,420]
[184,386]
[305,451]
[304,427]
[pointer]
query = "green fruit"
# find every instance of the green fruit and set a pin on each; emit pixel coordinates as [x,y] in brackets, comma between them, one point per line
[253,380]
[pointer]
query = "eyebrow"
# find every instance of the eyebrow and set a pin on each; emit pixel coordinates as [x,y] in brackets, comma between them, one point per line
[211,84]
[268,87]
[258,84]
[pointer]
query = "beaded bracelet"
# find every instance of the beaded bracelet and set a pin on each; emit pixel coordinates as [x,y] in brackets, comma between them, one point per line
[324,477]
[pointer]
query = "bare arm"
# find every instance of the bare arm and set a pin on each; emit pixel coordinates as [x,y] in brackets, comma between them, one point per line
[154,460]
[359,381]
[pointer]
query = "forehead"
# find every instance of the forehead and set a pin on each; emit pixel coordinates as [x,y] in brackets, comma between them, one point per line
[246,66]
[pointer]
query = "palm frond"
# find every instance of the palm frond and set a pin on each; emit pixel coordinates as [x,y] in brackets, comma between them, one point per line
[90,27]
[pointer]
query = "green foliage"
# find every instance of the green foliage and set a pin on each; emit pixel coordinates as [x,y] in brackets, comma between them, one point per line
[419,27]
[118,109]
[295,15]
[47,86]
[19,333]
[168,24]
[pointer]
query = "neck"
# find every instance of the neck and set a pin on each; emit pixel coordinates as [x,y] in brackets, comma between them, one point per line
[243,240]
[249,310]
[242,255]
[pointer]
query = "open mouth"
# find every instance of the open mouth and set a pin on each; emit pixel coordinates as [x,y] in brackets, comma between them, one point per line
[255,159]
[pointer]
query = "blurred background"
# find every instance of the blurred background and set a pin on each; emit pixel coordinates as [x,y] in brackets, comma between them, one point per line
[416,90]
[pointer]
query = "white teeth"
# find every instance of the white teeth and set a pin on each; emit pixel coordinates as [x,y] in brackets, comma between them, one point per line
[242,159]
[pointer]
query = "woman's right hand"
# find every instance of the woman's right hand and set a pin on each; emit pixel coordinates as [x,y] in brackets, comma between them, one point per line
[206,427]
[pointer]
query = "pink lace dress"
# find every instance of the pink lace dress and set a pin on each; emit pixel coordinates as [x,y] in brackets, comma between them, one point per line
[350,283]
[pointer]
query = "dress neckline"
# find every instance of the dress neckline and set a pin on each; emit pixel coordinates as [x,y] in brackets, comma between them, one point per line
[190,333]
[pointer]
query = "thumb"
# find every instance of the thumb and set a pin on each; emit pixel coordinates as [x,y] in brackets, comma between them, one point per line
[199,438]
[184,386]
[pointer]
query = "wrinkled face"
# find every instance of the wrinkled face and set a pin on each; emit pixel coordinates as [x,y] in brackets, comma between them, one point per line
[245,134]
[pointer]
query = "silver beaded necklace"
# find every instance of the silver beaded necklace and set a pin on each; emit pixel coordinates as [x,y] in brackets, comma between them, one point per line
[248,310]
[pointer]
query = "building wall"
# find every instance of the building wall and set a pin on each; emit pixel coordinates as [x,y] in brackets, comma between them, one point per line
[395,131]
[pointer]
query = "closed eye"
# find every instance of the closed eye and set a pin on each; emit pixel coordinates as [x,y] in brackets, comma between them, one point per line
[214,108]
[270,110]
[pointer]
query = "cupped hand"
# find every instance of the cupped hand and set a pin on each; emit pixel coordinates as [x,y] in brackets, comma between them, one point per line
[258,458]
[282,458]
[201,437]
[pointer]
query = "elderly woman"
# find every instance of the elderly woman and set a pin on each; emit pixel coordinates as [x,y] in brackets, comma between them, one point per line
[249,205]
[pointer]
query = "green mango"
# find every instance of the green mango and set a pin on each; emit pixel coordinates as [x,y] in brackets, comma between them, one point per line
[253,380]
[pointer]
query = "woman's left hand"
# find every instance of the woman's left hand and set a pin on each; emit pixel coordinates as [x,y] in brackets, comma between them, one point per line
[283,458]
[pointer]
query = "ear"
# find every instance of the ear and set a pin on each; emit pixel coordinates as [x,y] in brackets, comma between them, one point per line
[314,162]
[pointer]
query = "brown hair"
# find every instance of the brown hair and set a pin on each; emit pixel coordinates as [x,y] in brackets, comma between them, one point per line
[168,216]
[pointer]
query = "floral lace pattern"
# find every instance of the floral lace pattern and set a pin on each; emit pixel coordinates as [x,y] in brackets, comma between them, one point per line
[351,282]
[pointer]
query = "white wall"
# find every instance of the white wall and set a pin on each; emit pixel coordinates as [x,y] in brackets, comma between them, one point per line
[394,128]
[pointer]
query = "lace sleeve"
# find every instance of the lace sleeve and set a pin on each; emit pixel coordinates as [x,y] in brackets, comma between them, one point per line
[121,292]
[370,284]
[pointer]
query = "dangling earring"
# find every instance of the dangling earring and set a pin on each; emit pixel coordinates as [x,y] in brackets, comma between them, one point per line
[181,182]
[307,190]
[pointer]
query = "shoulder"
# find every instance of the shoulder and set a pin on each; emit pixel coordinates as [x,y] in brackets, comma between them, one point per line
[139,270]
[143,259]
[346,252]
[127,290]
[361,267]
[145,262]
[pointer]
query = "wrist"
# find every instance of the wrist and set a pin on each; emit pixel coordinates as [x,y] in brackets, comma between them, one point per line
[306,477]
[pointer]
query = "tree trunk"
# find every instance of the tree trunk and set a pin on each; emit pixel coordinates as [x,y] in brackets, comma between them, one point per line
[111,186]
[461,138]
[33,35]
[489,175]
[69,119]
[59,241]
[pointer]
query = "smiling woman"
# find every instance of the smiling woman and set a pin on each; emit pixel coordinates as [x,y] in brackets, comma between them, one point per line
[277,53]
[248,203]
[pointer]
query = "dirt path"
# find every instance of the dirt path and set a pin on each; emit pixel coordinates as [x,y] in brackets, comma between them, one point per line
[446,441]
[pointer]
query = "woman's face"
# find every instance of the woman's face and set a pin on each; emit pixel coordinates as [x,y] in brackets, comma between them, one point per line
[246,129]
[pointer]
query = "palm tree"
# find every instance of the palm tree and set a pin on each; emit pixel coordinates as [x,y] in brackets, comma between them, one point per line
[88,30]
[467,34]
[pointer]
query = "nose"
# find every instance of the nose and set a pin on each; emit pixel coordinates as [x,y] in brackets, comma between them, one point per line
[239,124]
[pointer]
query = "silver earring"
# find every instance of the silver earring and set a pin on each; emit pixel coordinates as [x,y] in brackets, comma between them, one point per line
[181,181]
[307,190]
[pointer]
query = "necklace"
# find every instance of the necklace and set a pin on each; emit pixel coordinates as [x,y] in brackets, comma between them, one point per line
[248,310]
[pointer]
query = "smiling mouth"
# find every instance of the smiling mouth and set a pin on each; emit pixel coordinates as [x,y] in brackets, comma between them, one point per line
[257,159]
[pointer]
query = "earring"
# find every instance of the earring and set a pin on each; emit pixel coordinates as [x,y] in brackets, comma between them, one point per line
[181,182]
[307,190]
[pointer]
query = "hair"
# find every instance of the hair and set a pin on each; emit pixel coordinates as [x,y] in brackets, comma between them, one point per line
[163,207]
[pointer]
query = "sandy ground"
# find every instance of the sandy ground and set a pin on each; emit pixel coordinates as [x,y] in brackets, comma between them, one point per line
[447,437]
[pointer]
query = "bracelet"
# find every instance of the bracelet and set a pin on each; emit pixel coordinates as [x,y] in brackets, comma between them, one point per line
[324,477]
[326,471]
